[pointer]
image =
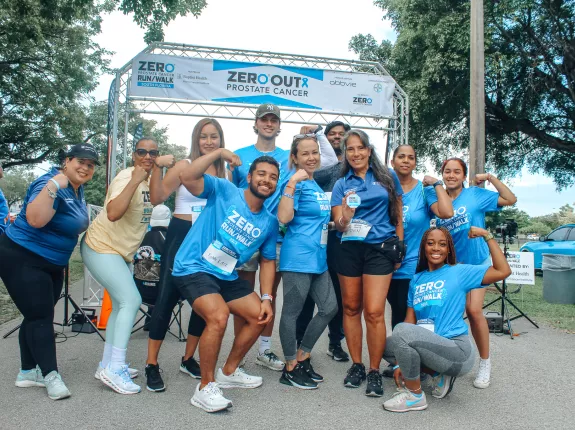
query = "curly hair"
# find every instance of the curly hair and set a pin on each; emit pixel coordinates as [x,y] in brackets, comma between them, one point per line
[422,263]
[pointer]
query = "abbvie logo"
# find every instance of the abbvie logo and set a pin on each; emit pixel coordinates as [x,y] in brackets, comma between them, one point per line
[335,82]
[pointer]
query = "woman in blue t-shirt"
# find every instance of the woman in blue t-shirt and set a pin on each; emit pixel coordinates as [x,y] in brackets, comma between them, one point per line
[305,209]
[434,336]
[366,207]
[469,208]
[34,252]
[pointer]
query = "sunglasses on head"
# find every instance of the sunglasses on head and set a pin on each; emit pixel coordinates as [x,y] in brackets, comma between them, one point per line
[305,136]
[142,152]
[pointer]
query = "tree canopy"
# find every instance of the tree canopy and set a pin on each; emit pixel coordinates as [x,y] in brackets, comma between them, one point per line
[49,63]
[529,82]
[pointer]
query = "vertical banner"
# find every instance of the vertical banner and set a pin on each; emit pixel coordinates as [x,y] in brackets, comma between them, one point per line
[138,134]
[109,126]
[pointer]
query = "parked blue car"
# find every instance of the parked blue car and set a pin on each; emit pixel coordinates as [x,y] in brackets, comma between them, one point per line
[559,241]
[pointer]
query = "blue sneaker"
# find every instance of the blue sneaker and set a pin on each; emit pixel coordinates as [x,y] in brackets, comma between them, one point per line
[55,386]
[119,380]
[442,385]
[30,378]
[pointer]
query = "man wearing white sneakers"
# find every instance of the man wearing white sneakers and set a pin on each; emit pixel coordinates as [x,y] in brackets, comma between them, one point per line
[233,225]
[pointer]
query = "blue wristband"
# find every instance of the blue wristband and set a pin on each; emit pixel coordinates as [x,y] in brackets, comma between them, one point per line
[55,183]
[395,367]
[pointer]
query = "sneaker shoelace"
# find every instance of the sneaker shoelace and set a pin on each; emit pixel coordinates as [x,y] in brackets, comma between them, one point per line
[373,378]
[355,370]
[271,356]
[125,374]
[56,381]
[213,389]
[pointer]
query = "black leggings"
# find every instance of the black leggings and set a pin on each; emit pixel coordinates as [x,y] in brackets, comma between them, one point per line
[397,298]
[34,284]
[169,295]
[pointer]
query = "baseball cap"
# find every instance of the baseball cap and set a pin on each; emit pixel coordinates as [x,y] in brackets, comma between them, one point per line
[266,108]
[160,216]
[333,124]
[84,150]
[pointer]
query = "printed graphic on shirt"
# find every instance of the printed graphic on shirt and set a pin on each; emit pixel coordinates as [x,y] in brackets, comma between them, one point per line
[458,222]
[147,264]
[406,216]
[429,294]
[148,208]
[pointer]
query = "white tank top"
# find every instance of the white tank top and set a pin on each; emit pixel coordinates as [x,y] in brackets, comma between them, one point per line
[187,203]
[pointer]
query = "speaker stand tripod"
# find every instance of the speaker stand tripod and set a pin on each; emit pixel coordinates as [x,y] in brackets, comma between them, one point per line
[506,301]
[67,321]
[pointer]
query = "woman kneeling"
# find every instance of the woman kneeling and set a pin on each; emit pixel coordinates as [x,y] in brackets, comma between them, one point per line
[434,337]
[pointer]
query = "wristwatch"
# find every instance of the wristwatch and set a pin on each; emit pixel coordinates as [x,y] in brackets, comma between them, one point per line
[488,237]
[440,182]
[267,297]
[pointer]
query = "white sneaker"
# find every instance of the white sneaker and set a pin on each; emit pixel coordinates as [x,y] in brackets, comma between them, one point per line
[238,379]
[270,360]
[442,385]
[55,386]
[210,398]
[483,378]
[405,401]
[133,372]
[119,381]
[243,362]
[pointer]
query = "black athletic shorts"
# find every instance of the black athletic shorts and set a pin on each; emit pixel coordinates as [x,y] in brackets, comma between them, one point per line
[194,286]
[356,258]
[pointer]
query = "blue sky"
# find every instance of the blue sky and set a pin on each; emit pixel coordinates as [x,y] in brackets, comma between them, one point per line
[323,28]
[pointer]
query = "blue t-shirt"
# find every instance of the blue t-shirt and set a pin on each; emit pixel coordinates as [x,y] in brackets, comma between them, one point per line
[4,213]
[304,246]
[248,155]
[226,234]
[416,216]
[374,207]
[440,296]
[57,239]
[469,210]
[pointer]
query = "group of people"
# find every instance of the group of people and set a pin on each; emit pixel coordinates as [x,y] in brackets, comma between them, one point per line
[344,232]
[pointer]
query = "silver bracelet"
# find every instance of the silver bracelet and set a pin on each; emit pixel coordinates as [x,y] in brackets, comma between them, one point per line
[51,193]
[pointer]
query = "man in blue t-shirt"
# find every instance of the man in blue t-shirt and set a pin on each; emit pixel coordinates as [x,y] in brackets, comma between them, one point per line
[233,225]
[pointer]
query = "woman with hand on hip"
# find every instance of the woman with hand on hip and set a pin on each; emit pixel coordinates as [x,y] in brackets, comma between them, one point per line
[469,207]
[108,249]
[434,336]
[207,137]
[366,207]
[35,251]
[305,209]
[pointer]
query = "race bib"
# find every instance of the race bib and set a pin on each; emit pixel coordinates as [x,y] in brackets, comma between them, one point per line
[324,231]
[221,258]
[357,230]
[427,324]
[196,211]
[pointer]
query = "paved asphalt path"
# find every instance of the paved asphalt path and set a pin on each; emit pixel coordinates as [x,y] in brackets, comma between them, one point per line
[533,376]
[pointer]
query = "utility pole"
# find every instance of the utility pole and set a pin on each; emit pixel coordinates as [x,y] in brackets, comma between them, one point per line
[477,92]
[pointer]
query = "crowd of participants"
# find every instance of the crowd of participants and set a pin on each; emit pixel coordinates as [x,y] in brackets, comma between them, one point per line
[344,232]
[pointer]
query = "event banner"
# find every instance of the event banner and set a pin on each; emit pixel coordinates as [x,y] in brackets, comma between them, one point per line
[165,76]
[522,268]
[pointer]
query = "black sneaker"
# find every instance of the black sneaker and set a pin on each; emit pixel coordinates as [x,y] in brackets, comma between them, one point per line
[374,384]
[337,353]
[154,381]
[306,364]
[191,367]
[298,377]
[388,371]
[355,375]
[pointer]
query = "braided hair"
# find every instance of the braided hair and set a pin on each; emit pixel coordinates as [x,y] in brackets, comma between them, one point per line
[422,263]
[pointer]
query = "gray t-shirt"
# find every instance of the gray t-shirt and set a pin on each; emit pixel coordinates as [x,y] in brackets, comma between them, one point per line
[326,178]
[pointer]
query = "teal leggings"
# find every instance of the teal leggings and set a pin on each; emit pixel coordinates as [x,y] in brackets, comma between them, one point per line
[114,274]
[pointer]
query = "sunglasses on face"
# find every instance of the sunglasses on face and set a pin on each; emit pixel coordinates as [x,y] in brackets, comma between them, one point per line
[142,153]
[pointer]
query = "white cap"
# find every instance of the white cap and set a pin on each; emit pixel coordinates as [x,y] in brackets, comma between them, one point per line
[160,216]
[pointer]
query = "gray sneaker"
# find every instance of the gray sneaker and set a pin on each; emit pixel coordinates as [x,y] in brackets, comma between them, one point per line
[32,378]
[56,388]
[405,401]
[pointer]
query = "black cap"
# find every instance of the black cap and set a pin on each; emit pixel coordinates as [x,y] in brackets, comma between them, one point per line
[83,150]
[333,124]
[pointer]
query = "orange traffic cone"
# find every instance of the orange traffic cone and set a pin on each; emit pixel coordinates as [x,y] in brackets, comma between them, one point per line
[105,311]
